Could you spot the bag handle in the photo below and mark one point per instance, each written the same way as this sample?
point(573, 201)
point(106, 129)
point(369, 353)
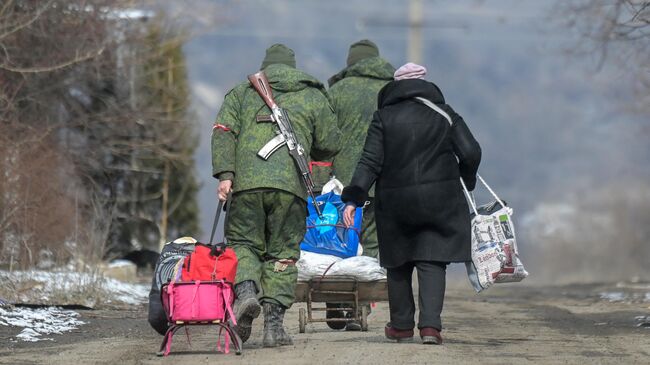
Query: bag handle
point(468, 194)
point(217, 215)
point(214, 227)
point(491, 191)
point(433, 106)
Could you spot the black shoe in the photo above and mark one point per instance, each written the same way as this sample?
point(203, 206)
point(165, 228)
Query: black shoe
point(352, 325)
point(274, 333)
point(246, 308)
point(335, 325)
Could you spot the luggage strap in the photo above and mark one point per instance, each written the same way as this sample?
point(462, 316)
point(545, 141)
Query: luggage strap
point(468, 194)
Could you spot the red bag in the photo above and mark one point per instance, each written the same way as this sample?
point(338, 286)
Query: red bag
point(210, 263)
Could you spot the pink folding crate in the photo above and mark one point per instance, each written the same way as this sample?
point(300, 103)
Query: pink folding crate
point(192, 303)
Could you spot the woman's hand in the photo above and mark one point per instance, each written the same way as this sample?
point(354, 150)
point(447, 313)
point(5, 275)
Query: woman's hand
point(348, 215)
point(225, 187)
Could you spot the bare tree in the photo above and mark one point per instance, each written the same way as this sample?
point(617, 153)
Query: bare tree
point(614, 31)
point(94, 130)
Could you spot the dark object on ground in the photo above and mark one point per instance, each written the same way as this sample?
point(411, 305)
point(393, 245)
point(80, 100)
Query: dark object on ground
point(396, 334)
point(430, 336)
point(335, 325)
point(642, 321)
point(143, 259)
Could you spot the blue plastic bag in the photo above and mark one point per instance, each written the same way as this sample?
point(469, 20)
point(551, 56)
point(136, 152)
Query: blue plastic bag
point(329, 235)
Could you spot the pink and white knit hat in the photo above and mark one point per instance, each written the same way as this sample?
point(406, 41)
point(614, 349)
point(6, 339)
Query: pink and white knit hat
point(410, 71)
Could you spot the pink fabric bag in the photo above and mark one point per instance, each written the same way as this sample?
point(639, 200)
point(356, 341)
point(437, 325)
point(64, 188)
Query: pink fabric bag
point(199, 302)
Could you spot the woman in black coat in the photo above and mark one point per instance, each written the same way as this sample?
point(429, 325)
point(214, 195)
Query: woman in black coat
point(422, 215)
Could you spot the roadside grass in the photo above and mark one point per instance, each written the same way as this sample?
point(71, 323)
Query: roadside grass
point(65, 287)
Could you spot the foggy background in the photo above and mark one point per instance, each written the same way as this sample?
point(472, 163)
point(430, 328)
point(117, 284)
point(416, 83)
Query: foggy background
point(564, 140)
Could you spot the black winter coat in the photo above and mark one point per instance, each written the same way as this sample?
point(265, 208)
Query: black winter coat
point(410, 152)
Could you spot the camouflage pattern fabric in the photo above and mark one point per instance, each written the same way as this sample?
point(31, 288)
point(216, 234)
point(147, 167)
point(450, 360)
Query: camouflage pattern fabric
point(237, 135)
point(353, 93)
point(321, 173)
point(265, 226)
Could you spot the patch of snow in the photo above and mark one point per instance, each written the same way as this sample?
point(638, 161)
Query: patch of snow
point(615, 296)
point(46, 284)
point(138, 14)
point(632, 297)
point(126, 292)
point(120, 263)
point(39, 322)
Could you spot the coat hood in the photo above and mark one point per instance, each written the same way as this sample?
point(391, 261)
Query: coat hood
point(373, 67)
point(288, 79)
point(397, 91)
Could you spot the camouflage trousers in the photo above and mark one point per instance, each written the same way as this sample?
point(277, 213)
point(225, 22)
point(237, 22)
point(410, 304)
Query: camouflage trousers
point(369, 240)
point(265, 226)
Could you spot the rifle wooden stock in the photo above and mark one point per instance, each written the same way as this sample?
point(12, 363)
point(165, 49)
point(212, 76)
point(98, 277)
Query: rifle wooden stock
point(261, 85)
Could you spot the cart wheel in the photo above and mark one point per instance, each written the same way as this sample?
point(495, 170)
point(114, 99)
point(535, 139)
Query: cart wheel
point(364, 318)
point(302, 319)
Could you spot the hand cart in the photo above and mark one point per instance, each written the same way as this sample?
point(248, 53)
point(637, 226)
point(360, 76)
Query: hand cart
point(352, 293)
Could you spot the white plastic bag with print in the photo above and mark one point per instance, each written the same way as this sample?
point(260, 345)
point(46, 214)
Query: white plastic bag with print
point(495, 257)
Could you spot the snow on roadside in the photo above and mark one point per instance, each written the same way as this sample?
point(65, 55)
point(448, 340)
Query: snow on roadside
point(69, 287)
point(620, 296)
point(39, 322)
point(126, 292)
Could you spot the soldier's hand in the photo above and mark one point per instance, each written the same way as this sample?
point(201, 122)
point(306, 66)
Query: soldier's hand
point(225, 187)
point(348, 215)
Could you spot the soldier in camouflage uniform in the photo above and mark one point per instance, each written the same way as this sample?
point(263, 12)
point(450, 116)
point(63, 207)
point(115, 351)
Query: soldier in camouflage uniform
point(353, 94)
point(266, 222)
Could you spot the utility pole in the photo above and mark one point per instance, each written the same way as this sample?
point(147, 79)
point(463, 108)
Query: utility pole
point(166, 174)
point(415, 26)
point(414, 51)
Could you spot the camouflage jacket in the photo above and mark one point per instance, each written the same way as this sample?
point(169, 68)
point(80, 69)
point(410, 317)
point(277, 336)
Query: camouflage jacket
point(353, 93)
point(237, 136)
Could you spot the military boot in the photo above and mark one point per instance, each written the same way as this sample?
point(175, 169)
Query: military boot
point(274, 333)
point(246, 308)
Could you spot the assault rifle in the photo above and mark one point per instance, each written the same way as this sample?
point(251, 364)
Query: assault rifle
point(286, 135)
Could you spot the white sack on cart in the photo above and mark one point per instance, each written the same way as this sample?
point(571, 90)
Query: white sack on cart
point(313, 264)
point(363, 268)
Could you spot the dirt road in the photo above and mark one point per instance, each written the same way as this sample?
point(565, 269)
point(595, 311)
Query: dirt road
point(517, 324)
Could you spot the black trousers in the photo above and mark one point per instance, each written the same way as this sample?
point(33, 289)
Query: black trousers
point(431, 282)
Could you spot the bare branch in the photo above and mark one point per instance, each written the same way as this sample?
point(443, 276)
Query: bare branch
point(77, 59)
point(5, 7)
point(29, 22)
